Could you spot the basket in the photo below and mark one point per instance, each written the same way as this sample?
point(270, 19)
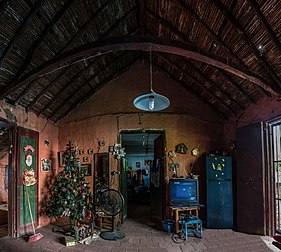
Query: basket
point(168, 225)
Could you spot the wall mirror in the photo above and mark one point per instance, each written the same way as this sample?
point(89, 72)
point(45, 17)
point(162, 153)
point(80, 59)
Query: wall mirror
point(101, 174)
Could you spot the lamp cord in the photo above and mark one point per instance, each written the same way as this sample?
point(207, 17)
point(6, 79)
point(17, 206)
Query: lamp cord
point(150, 69)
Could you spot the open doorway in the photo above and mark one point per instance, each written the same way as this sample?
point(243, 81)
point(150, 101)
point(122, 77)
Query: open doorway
point(5, 163)
point(143, 187)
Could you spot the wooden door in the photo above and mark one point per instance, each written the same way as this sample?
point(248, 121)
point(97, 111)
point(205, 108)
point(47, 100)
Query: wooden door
point(27, 159)
point(250, 180)
point(156, 180)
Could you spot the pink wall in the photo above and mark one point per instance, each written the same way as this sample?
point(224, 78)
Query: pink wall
point(3, 182)
point(46, 131)
point(266, 109)
point(111, 110)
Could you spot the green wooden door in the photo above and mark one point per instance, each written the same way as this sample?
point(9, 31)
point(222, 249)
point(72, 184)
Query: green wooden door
point(27, 162)
point(124, 169)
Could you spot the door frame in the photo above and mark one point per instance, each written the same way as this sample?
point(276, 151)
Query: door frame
point(12, 196)
point(163, 174)
point(270, 177)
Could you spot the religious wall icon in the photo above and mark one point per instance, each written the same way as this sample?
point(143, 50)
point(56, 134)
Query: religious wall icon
point(181, 148)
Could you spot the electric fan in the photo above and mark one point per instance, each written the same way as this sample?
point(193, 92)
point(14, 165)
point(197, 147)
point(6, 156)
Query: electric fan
point(111, 203)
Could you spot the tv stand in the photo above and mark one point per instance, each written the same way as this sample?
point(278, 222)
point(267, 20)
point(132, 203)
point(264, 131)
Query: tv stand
point(194, 210)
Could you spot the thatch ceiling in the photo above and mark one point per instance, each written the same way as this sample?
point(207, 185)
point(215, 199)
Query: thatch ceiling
point(54, 54)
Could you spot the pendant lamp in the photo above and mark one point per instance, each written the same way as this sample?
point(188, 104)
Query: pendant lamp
point(151, 101)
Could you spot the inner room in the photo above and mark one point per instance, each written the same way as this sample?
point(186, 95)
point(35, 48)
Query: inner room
point(140, 125)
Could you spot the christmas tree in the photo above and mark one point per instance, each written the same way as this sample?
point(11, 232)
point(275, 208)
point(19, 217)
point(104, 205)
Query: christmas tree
point(70, 194)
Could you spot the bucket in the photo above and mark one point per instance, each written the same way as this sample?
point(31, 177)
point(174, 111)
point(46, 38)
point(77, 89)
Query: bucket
point(168, 225)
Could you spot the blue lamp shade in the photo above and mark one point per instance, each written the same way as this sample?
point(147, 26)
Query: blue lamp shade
point(151, 102)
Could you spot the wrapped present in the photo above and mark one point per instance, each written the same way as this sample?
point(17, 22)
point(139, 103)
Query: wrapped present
point(69, 241)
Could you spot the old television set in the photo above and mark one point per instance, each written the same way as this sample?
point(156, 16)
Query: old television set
point(184, 192)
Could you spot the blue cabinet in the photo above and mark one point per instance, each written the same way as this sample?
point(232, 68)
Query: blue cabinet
point(219, 192)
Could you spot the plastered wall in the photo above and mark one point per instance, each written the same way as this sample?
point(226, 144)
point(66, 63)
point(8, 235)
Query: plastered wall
point(47, 131)
point(111, 110)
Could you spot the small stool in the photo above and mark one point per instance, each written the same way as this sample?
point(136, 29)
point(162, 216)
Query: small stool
point(193, 225)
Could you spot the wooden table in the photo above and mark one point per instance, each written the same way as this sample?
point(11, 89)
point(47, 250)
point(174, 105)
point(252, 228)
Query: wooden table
point(194, 210)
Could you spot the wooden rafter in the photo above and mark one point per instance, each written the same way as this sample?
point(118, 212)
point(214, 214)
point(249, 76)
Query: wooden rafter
point(85, 26)
point(209, 31)
point(190, 88)
point(183, 37)
point(266, 25)
point(243, 34)
point(67, 84)
point(203, 75)
point(47, 88)
point(141, 23)
point(124, 17)
point(38, 41)
point(20, 30)
point(234, 83)
point(24, 92)
point(94, 89)
point(199, 83)
point(140, 43)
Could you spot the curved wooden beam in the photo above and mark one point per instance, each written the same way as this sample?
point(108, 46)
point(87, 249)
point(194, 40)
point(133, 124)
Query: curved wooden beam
point(138, 43)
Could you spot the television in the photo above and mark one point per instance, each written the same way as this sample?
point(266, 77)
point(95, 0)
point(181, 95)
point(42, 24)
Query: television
point(184, 192)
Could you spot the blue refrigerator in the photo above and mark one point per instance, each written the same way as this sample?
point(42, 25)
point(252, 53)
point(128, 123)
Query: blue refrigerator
point(219, 192)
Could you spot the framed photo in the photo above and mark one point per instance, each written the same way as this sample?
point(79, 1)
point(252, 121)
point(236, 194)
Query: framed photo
point(111, 149)
point(87, 169)
point(147, 162)
point(45, 165)
point(90, 151)
point(81, 151)
point(85, 159)
point(138, 164)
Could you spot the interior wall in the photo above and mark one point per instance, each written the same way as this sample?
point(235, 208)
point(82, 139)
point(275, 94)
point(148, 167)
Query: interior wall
point(47, 131)
point(3, 180)
point(111, 110)
point(265, 109)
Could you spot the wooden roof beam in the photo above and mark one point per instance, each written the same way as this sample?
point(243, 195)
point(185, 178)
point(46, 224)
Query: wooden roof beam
point(172, 63)
point(184, 37)
point(141, 17)
point(140, 43)
point(86, 25)
point(212, 34)
point(62, 89)
point(94, 90)
point(243, 34)
point(37, 42)
point(202, 74)
point(20, 30)
point(124, 17)
point(266, 25)
point(234, 83)
point(190, 88)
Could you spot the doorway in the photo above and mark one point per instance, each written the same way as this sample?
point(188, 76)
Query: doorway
point(276, 167)
point(6, 138)
point(144, 172)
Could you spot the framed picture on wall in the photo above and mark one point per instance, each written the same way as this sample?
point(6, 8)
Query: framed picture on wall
point(138, 164)
point(85, 159)
point(60, 157)
point(81, 151)
point(45, 165)
point(86, 169)
point(90, 151)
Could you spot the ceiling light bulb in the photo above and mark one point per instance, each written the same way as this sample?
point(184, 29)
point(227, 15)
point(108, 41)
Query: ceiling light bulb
point(151, 102)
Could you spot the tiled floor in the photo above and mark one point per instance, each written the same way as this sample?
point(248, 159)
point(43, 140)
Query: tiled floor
point(141, 237)
point(142, 234)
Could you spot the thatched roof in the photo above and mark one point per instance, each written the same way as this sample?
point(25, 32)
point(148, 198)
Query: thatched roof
point(56, 54)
